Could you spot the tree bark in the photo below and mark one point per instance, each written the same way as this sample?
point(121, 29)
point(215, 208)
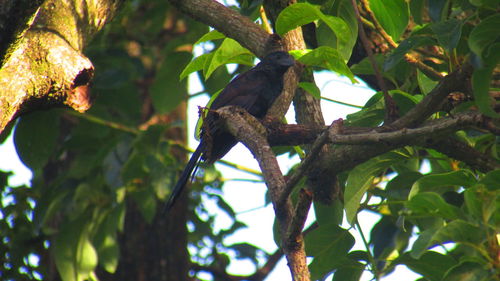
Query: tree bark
point(45, 67)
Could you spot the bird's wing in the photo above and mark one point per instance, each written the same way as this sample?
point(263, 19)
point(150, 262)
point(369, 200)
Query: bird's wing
point(243, 91)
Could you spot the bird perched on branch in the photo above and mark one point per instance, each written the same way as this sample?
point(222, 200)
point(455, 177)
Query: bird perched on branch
point(255, 91)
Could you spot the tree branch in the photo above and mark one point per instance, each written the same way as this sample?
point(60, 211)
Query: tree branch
point(310, 158)
point(363, 143)
point(458, 80)
point(230, 23)
point(238, 125)
point(46, 66)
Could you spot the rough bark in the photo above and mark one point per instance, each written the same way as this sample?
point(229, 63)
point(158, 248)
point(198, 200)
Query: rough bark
point(45, 67)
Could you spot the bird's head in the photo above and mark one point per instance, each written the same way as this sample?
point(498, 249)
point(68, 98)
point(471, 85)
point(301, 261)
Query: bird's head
point(279, 59)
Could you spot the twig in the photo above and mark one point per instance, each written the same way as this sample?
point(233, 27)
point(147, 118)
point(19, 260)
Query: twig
point(342, 103)
point(463, 152)
point(294, 233)
point(371, 259)
point(429, 71)
point(265, 21)
point(455, 81)
point(409, 58)
point(378, 26)
point(390, 105)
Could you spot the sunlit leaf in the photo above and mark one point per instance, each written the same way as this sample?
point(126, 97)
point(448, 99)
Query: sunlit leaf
point(393, 16)
point(311, 88)
point(196, 64)
point(329, 58)
point(300, 14)
point(210, 36)
point(229, 51)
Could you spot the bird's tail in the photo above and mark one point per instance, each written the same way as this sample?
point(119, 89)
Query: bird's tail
point(181, 183)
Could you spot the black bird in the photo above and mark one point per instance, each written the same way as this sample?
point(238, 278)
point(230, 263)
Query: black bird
point(255, 91)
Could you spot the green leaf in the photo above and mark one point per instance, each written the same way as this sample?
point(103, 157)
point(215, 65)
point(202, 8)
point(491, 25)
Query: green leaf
point(432, 265)
point(146, 200)
point(473, 203)
point(481, 79)
point(35, 137)
point(166, 90)
point(329, 214)
point(229, 51)
point(361, 178)
point(311, 88)
point(345, 11)
point(416, 10)
point(436, 9)
point(404, 101)
point(468, 271)
point(196, 64)
point(296, 15)
point(448, 33)
point(461, 232)
point(431, 203)
point(424, 241)
point(75, 256)
point(433, 181)
point(328, 244)
point(300, 14)
point(329, 58)
point(425, 83)
point(484, 34)
point(491, 180)
point(349, 272)
point(210, 36)
point(406, 45)
point(393, 16)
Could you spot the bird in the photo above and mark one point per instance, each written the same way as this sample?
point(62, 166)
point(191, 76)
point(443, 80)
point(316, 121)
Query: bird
point(255, 91)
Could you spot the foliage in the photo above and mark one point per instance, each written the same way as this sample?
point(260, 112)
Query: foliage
point(89, 167)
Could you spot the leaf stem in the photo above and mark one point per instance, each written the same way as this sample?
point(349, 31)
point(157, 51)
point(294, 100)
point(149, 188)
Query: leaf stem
point(371, 259)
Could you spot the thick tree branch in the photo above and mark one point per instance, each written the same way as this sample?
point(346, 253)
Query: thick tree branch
point(310, 158)
point(46, 67)
point(365, 142)
point(458, 150)
point(229, 22)
point(236, 123)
